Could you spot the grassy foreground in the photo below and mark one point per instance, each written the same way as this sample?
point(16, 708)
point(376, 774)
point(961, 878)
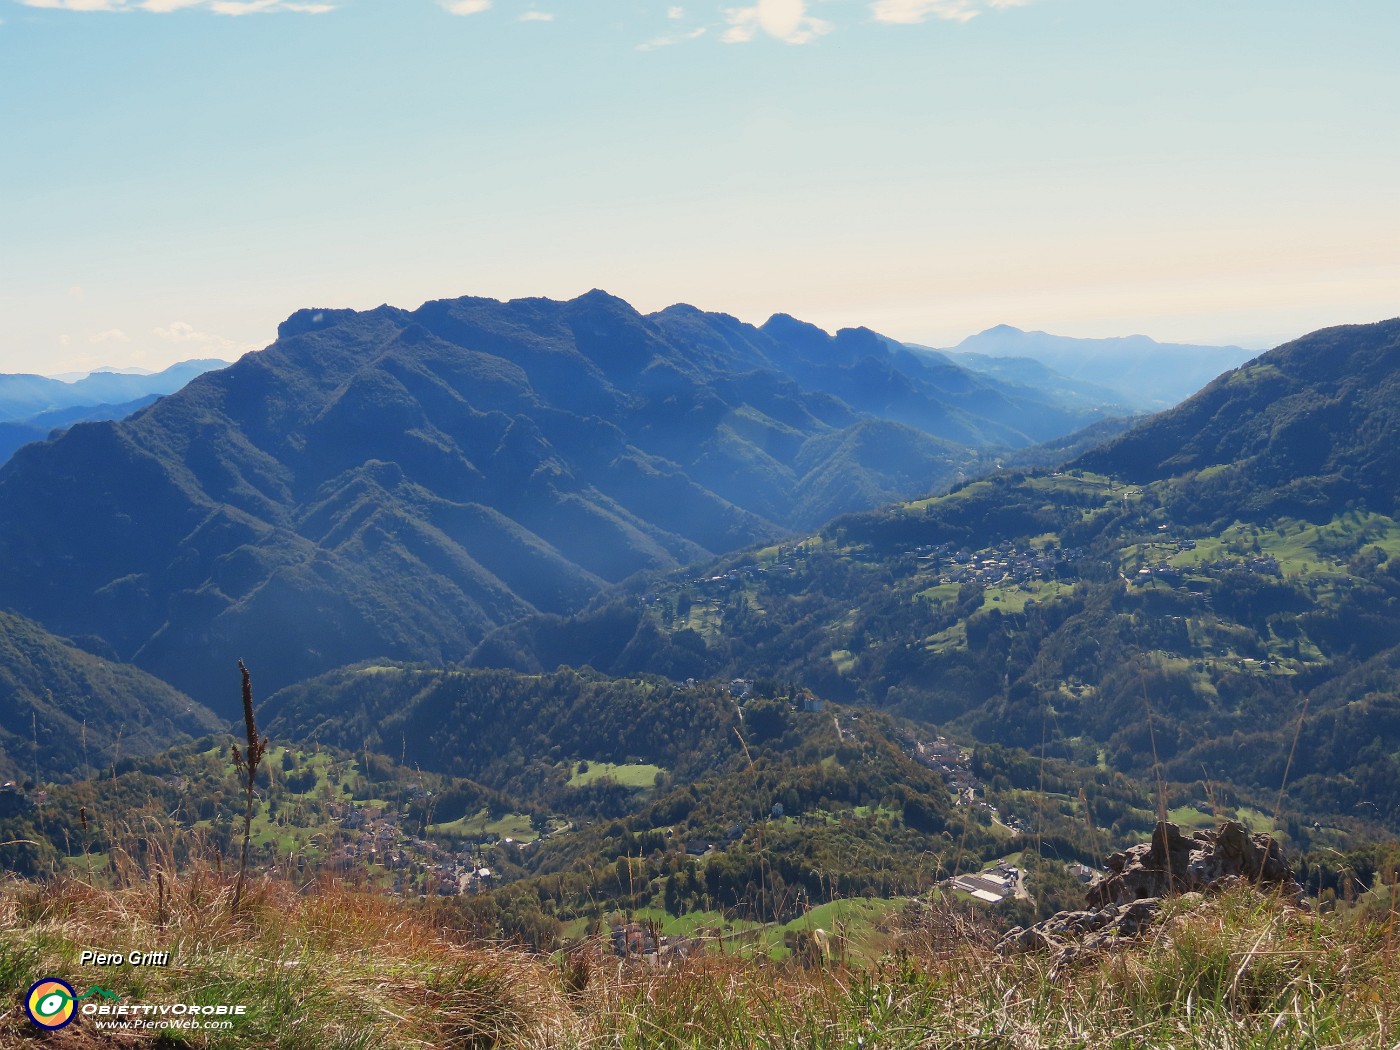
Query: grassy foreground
point(335, 968)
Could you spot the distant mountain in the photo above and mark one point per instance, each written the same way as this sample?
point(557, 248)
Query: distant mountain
point(65, 712)
point(15, 435)
point(1029, 374)
point(1138, 371)
point(397, 484)
point(130, 370)
point(1183, 593)
point(22, 397)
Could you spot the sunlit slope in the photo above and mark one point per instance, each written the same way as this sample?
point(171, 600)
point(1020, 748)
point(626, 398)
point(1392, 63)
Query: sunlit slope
point(1189, 585)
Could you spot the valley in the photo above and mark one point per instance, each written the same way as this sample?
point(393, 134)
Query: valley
point(963, 700)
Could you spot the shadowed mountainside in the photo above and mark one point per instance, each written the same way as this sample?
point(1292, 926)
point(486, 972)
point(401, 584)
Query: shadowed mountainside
point(395, 483)
point(66, 712)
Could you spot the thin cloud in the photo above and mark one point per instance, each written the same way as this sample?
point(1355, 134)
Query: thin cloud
point(785, 20)
point(191, 340)
point(78, 5)
point(256, 7)
point(465, 7)
point(911, 12)
point(536, 16)
point(161, 7)
point(667, 41)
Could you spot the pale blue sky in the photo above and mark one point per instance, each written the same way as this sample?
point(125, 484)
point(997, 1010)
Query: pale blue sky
point(175, 182)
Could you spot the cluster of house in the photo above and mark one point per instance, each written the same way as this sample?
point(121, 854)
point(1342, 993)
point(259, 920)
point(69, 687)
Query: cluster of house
point(1161, 569)
point(949, 760)
point(783, 564)
point(955, 766)
point(379, 840)
point(637, 940)
point(1004, 563)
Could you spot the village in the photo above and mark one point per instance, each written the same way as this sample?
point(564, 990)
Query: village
point(420, 866)
point(956, 767)
point(1002, 564)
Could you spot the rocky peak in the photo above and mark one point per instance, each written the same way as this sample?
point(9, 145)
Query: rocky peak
point(1127, 901)
point(1172, 863)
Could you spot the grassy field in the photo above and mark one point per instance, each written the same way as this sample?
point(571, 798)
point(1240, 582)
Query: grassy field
point(481, 824)
point(952, 639)
point(334, 969)
point(637, 775)
point(1299, 547)
point(1190, 819)
point(1012, 597)
point(856, 922)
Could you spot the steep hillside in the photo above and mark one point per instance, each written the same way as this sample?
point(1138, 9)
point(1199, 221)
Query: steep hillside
point(397, 483)
point(65, 712)
point(1229, 578)
point(1304, 430)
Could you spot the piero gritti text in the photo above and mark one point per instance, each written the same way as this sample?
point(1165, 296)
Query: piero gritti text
point(94, 958)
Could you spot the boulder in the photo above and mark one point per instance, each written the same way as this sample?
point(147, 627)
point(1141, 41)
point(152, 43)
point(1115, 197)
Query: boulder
point(1172, 864)
point(1126, 902)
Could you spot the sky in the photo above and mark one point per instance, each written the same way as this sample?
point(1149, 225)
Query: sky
point(177, 176)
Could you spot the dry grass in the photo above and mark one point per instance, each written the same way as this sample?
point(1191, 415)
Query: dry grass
point(323, 966)
point(318, 966)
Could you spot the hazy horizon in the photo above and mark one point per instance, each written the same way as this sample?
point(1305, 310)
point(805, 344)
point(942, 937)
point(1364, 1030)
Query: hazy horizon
point(192, 171)
point(121, 366)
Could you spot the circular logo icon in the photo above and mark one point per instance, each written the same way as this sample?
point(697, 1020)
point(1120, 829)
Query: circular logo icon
point(51, 1003)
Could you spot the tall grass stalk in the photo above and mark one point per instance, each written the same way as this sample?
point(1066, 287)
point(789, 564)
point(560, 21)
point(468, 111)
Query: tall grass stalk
point(247, 766)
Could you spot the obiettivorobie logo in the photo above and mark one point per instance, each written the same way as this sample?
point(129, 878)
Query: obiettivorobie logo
point(52, 1003)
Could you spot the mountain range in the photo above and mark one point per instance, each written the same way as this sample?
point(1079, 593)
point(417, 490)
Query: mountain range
point(1192, 592)
point(577, 569)
point(27, 396)
point(32, 407)
point(399, 483)
point(1134, 371)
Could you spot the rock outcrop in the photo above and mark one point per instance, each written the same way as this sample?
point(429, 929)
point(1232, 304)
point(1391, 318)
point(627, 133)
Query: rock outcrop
point(1172, 864)
point(1127, 901)
point(1070, 932)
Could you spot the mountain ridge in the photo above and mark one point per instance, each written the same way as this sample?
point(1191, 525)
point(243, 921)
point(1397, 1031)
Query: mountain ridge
point(1140, 371)
point(24, 396)
point(1175, 595)
point(398, 483)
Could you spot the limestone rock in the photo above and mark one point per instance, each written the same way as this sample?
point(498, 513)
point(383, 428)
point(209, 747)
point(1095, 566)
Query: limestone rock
point(1172, 864)
point(1127, 901)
